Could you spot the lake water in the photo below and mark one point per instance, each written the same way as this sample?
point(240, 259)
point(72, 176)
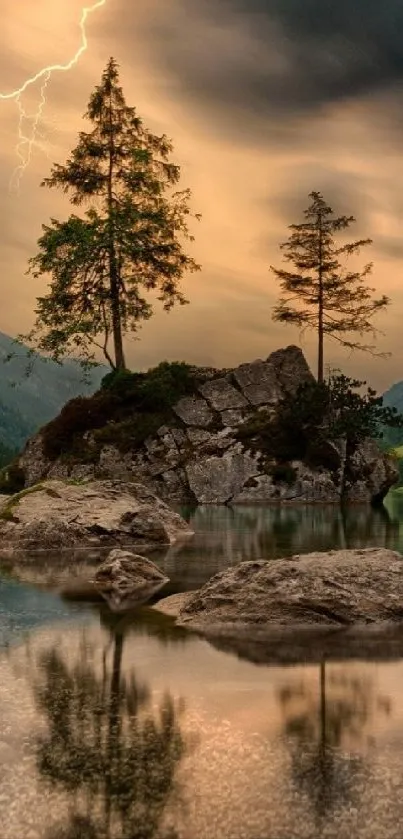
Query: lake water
point(129, 728)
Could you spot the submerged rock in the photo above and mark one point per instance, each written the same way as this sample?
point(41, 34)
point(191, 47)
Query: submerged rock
point(59, 515)
point(334, 589)
point(173, 603)
point(126, 580)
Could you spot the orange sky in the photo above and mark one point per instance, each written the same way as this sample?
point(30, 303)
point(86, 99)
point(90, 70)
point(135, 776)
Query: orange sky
point(253, 136)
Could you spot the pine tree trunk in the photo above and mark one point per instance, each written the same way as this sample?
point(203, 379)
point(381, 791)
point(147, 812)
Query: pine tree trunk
point(320, 306)
point(320, 350)
point(120, 363)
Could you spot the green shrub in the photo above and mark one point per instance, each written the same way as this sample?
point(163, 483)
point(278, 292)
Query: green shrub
point(12, 479)
point(321, 452)
point(309, 421)
point(283, 473)
point(123, 384)
point(281, 437)
point(165, 385)
point(78, 416)
point(156, 390)
point(130, 433)
point(125, 411)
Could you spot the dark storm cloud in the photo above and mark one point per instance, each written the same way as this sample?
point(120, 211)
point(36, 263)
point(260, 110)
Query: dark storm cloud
point(268, 57)
point(344, 191)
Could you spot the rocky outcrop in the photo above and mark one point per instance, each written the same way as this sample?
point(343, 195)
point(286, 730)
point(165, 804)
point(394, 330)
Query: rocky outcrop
point(57, 515)
point(370, 476)
point(334, 589)
point(127, 580)
point(197, 454)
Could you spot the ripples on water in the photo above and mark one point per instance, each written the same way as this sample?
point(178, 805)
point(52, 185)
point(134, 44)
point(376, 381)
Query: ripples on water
point(129, 728)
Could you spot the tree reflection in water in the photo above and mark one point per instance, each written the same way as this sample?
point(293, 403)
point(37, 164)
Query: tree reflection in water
point(317, 726)
point(108, 747)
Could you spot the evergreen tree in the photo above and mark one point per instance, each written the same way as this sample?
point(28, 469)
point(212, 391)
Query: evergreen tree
point(127, 244)
point(320, 293)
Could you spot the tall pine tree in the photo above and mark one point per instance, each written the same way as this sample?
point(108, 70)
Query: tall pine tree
point(127, 243)
point(321, 293)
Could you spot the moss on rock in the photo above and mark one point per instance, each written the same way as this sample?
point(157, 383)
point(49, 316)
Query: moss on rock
point(7, 513)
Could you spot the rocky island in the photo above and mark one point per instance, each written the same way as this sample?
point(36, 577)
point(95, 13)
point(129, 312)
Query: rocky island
point(203, 436)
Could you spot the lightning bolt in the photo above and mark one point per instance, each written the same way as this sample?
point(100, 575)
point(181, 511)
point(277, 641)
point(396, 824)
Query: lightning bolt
point(27, 138)
point(26, 143)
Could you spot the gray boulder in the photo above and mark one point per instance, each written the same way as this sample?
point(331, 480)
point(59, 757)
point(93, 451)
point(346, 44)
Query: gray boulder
point(193, 410)
point(127, 580)
point(336, 589)
point(292, 369)
point(258, 382)
point(222, 395)
point(60, 515)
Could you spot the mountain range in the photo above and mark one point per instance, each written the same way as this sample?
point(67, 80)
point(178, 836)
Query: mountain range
point(393, 398)
point(28, 401)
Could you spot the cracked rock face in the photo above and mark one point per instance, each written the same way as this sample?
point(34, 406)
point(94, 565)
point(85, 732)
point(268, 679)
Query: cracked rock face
point(216, 480)
point(194, 411)
point(196, 457)
point(259, 382)
point(223, 396)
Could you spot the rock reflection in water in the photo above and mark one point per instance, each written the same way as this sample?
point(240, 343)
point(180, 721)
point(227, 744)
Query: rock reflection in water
point(225, 536)
point(228, 535)
point(107, 746)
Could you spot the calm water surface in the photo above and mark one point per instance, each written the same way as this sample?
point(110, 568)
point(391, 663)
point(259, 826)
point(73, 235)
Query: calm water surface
point(129, 728)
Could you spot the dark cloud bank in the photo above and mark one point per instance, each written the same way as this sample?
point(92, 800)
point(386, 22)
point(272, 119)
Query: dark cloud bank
point(308, 53)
